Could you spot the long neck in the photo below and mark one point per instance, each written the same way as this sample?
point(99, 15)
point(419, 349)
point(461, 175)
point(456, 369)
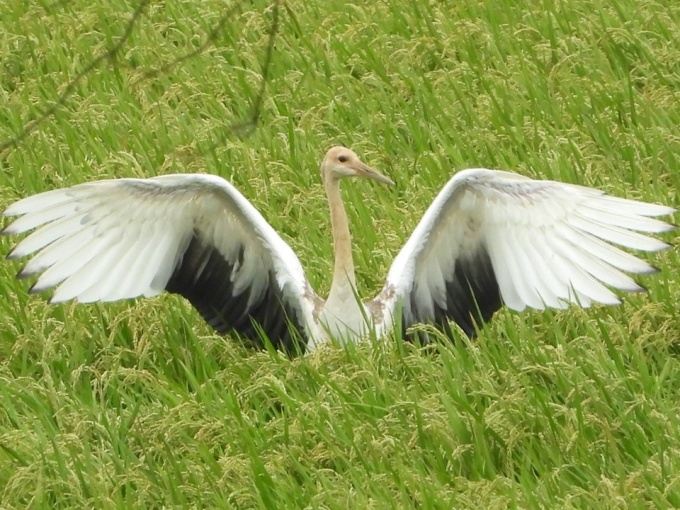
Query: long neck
point(344, 281)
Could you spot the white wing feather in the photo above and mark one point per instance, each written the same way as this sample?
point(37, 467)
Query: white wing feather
point(123, 238)
point(547, 243)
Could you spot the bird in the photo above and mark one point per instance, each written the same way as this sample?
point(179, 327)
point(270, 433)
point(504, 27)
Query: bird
point(489, 239)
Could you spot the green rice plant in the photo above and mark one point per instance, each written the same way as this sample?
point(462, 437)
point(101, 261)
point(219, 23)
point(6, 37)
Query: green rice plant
point(140, 405)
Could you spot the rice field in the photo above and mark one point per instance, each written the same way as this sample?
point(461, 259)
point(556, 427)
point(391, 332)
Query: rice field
point(140, 405)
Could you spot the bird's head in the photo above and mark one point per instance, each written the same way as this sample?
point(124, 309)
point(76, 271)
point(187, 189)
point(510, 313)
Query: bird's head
point(342, 162)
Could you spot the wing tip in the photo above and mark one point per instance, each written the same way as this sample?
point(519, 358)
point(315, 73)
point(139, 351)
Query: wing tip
point(12, 210)
point(22, 274)
point(8, 231)
point(663, 210)
point(35, 288)
point(669, 227)
point(641, 289)
point(38, 288)
point(17, 253)
point(650, 270)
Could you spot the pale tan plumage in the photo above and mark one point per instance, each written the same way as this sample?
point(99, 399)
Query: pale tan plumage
point(489, 238)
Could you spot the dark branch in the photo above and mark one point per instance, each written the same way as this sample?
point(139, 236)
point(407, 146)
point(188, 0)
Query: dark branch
point(246, 127)
point(209, 41)
point(70, 88)
point(242, 128)
point(266, 65)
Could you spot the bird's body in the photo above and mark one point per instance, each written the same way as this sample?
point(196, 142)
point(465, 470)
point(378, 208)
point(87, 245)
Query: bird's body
point(489, 238)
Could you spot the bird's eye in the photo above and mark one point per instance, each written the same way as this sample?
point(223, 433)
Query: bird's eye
point(342, 158)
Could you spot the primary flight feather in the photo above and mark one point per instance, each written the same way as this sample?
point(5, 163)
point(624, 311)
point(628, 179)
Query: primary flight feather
point(489, 238)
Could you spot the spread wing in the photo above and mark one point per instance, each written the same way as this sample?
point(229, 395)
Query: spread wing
point(193, 235)
point(493, 237)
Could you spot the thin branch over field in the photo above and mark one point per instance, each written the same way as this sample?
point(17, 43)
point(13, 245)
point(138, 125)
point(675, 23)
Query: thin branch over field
point(241, 128)
point(244, 128)
point(109, 55)
point(209, 41)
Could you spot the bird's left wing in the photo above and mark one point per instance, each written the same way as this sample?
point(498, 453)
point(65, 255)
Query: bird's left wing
point(194, 235)
point(493, 237)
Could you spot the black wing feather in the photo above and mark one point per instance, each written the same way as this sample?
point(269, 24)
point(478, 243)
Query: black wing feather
point(472, 297)
point(204, 277)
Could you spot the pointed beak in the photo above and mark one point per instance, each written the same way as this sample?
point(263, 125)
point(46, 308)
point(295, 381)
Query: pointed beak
point(366, 171)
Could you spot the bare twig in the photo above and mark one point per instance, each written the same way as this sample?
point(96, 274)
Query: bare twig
point(242, 128)
point(246, 127)
point(209, 41)
point(110, 54)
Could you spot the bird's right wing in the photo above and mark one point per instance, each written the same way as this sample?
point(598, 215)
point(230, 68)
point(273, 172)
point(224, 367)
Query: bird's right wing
point(493, 237)
point(194, 235)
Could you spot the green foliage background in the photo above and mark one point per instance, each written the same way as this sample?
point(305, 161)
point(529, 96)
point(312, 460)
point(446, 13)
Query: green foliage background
point(140, 405)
